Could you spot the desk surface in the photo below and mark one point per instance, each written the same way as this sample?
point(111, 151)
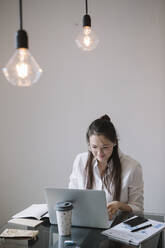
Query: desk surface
point(86, 237)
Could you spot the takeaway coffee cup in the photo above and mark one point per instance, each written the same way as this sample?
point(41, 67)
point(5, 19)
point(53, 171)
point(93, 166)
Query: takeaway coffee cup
point(64, 216)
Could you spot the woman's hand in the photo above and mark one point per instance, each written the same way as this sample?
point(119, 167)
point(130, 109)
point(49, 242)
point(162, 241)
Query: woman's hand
point(112, 208)
point(116, 205)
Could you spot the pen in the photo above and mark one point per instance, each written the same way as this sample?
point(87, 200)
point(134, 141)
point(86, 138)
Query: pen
point(43, 214)
point(141, 228)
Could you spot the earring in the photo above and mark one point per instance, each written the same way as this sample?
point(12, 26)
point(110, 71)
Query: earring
point(89, 148)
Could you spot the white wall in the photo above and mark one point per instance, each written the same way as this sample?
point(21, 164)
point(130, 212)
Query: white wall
point(43, 127)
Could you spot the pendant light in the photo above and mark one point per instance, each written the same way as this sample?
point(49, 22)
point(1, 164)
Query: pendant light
point(22, 69)
point(87, 40)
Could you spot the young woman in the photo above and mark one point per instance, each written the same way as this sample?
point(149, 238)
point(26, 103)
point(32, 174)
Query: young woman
point(105, 167)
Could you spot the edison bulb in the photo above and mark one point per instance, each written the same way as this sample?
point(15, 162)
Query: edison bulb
point(22, 69)
point(87, 39)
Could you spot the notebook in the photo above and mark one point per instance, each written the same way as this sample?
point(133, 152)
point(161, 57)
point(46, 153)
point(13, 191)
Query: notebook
point(89, 206)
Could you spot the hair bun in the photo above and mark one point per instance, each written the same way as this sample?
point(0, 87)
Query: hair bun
point(106, 118)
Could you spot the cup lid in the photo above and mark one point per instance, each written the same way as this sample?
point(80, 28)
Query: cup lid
point(64, 206)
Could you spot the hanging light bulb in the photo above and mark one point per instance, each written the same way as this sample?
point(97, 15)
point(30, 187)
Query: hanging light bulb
point(87, 39)
point(22, 69)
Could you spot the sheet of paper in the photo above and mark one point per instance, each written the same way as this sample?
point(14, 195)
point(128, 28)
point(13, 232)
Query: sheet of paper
point(35, 211)
point(26, 222)
point(123, 232)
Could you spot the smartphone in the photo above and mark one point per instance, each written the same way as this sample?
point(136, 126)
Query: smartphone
point(135, 221)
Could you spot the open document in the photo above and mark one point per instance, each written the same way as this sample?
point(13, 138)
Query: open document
point(37, 211)
point(31, 216)
point(136, 234)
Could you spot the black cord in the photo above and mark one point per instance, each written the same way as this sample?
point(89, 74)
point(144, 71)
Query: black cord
point(86, 5)
point(20, 14)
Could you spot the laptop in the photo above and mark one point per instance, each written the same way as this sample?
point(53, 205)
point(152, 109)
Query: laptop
point(89, 206)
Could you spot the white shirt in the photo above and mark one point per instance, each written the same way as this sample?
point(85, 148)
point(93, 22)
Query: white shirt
point(132, 180)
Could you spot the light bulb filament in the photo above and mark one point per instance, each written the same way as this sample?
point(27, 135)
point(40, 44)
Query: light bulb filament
point(87, 41)
point(22, 70)
point(87, 30)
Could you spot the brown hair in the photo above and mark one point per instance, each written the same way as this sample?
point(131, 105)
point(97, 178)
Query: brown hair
point(104, 126)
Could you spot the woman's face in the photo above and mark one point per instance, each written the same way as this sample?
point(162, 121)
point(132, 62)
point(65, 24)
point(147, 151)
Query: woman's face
point(101, 148)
